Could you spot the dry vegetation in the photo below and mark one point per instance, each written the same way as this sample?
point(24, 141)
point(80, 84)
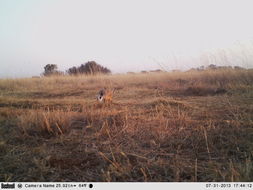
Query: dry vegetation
point(193, 126)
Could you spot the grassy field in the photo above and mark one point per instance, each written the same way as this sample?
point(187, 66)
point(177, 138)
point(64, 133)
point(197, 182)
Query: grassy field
point(189, 126)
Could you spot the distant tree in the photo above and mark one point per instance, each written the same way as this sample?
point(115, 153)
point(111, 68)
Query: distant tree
point(201, 68)
point(238, 68)
point(224, 67)
point(51, 69)
point(156, 71)
point(89, 68)
point(72, 71)
point(212, 67)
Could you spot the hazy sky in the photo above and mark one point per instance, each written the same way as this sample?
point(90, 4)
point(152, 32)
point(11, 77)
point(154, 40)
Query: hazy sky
point(129, 35)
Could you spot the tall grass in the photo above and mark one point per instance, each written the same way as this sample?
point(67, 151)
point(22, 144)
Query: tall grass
point(160, 127)
point(220, 78)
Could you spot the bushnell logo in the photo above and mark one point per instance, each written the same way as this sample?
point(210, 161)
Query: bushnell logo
point(7, 185)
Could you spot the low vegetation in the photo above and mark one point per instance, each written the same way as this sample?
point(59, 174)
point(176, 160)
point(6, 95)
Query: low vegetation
point(180, 126)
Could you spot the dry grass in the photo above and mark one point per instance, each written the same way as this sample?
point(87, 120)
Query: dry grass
point(193, 126)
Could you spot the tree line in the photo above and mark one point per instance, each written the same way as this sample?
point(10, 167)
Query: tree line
point(89, 68)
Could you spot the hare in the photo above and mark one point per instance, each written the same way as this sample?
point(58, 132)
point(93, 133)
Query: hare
point(105, 95)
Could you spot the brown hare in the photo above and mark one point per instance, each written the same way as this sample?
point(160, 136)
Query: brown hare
point(105, 95)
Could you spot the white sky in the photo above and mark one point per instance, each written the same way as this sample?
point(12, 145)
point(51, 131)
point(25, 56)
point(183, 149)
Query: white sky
point(129, 35)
